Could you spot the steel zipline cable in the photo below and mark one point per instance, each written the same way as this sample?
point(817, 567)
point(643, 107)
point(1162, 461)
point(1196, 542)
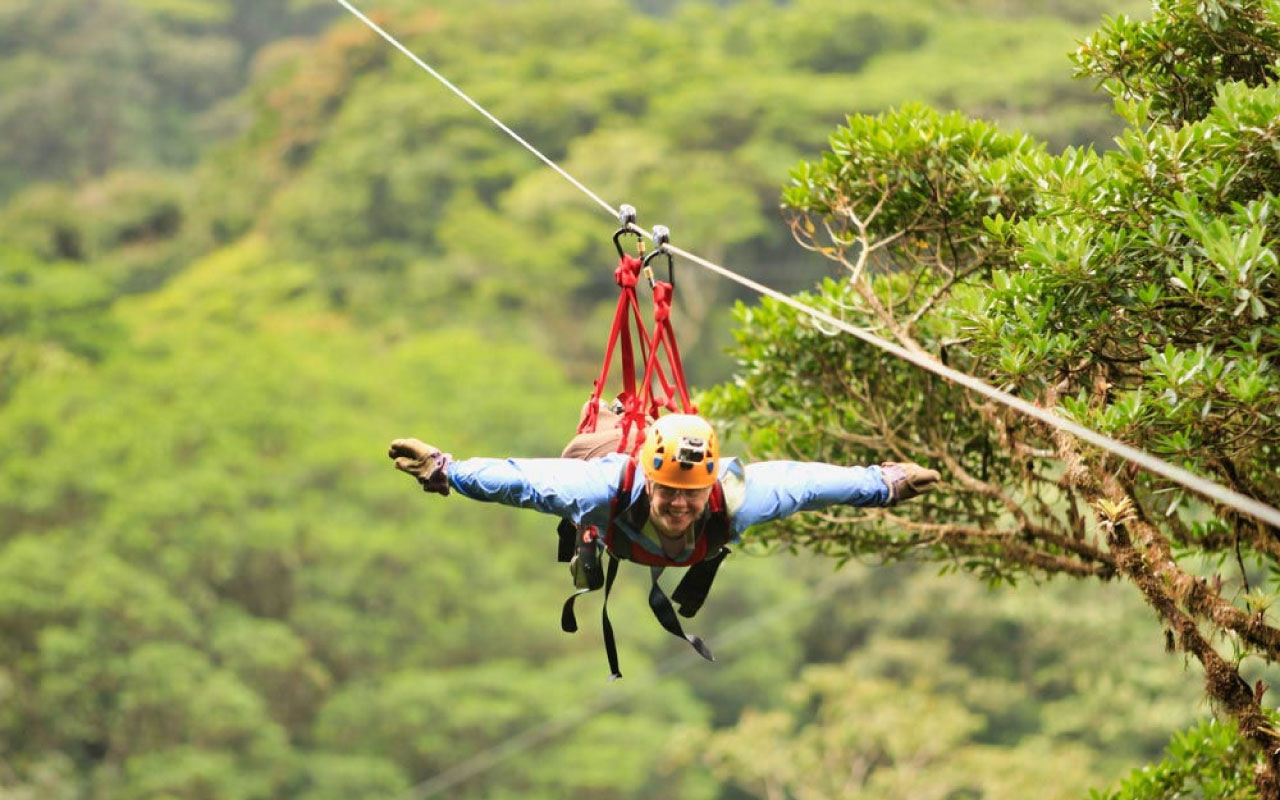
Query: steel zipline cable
point(1189, 480)
point(483, 111)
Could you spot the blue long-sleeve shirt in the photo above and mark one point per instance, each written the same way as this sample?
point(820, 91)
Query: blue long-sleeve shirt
point(582, 490)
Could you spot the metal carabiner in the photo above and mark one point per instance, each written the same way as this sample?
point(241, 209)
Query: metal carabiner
point(661, 236)
point(627, 218)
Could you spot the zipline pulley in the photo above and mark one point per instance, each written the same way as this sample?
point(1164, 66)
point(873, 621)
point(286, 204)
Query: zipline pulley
point(661, 236)
point(627, 220)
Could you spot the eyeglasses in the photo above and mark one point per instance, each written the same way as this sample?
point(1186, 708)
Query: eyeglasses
point(673, 493)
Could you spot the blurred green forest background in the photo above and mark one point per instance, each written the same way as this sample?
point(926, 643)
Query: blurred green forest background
point(244, 243)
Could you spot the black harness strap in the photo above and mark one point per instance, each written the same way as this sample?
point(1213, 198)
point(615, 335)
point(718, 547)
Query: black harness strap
point(583, 540)
point(568, 533)
point(666, 615)
point(692, 590)
point(568, 621)
point(610, 644)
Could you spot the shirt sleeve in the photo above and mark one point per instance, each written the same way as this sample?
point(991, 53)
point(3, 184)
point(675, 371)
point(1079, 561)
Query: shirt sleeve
point(777, 489)
point(566, 487)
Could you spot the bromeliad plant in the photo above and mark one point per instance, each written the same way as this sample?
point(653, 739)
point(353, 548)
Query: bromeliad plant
point(1133, 290)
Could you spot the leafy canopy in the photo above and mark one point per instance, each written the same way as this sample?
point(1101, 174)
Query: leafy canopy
point(1135, 290)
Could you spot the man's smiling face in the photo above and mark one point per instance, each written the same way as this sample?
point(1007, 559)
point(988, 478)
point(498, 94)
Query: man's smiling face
point(673, 511)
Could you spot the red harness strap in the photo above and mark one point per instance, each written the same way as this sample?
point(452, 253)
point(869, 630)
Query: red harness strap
point(625, 315)
point(664, 339)
point(639, 401)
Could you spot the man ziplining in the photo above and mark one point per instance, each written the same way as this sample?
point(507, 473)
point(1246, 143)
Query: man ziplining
point(678, 503)
point(665, 513)
point(651, 488)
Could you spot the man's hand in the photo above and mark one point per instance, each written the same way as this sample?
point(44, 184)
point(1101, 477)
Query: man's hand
point(907, 480)
point(423, 462)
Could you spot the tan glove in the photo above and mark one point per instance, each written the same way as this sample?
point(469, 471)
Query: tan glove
point(423, 462)
point(906, 480)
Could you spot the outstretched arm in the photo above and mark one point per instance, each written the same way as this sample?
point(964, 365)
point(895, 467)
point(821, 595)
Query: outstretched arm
point(566, 487)
point(775, 489)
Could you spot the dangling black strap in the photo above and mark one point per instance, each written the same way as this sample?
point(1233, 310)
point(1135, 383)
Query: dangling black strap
point(586, 570)
point(610, 644)
point(667, 616)
point(568, 533)
point(692, 590)
point(569, 622)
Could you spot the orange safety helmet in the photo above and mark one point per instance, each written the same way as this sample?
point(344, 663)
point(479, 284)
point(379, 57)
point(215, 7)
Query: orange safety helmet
point(681, 451)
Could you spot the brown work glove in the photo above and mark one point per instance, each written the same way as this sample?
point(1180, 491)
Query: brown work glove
point(423, 462)
point(907, 480)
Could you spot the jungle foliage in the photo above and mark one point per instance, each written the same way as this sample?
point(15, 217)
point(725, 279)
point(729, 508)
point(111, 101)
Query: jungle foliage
point(1134, 290)
point(281, 252)
point(89, 86)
